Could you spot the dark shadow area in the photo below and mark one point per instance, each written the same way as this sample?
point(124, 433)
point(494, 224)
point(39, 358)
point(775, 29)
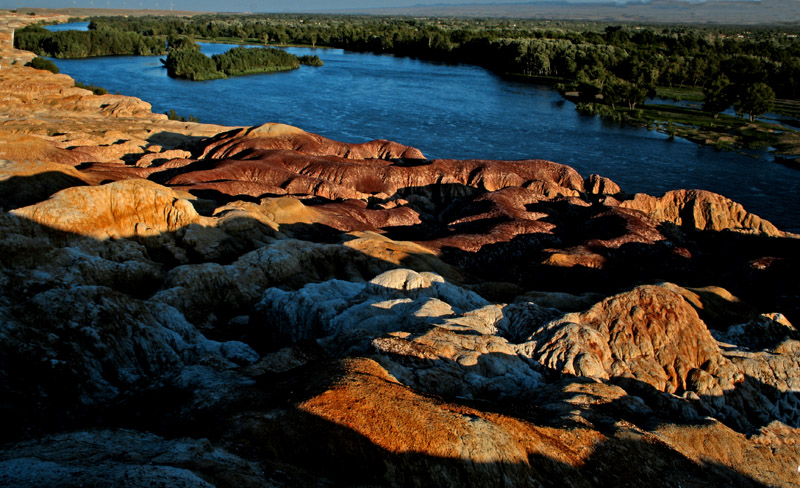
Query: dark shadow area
point(21, 191)
point(410, 163)
point(176, 140)
point(320, 233)
point(267, 420)
point(220, 198)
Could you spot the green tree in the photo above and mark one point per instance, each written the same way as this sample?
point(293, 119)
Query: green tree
point(717, 95)
point(754, 100)
point(635, 94)
point(175, 43)
point(614, 91)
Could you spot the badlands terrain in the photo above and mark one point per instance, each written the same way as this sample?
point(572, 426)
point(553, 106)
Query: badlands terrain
point(193, 305)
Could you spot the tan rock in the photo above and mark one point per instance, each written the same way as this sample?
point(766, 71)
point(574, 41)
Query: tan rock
point(122, 209)
point(600, 185)
point(701, 210)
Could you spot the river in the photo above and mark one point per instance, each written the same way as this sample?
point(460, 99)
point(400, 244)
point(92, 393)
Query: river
point(452, 111)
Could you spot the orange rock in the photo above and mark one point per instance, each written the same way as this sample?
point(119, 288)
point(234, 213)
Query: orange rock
point(122, 209)
point(702, 210)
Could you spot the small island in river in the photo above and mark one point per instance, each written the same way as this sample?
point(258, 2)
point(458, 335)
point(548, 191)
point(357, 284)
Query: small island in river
point(189, 63)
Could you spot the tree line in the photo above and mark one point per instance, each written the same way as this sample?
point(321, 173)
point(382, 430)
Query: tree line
point(83, 44)
point(618, 65)
point(184, 59)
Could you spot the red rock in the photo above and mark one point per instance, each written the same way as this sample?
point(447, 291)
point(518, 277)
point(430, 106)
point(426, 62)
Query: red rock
point(285, 137)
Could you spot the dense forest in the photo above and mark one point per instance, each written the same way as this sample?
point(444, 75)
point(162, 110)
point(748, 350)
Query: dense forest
point(622, 63)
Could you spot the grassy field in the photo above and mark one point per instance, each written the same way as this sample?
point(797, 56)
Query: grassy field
point(689, 94)
point(725, 132)
point(787, 107)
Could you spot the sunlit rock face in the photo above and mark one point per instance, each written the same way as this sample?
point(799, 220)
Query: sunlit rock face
point(207, 306)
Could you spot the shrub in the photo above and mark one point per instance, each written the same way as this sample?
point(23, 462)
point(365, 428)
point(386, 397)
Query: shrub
point(42, 63)
point(172, 115)
point(191, 65)
point(97, 90)
point(309, 60)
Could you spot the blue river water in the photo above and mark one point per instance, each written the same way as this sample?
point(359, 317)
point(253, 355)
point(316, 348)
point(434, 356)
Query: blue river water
point(452, 111)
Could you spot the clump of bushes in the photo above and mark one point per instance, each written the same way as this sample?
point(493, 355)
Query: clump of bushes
point(172, 115)
point(191, 65)
point(42, 63)
point(309, 60)
point(97, 90)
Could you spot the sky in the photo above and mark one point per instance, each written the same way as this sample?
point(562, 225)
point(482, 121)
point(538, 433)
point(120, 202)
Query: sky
point(259, 5)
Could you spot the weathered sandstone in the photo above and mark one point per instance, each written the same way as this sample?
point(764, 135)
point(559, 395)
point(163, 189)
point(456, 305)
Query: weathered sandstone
point(185, 304)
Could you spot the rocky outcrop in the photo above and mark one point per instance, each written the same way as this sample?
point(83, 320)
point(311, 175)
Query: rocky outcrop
point(123, 457)
point(192, 305)
point(649, 334)
point(699, 209)
point(285, 137)
point(121, 209)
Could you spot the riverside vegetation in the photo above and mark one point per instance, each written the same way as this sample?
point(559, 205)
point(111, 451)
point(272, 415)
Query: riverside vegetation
point(609, 70)
point(184, 59)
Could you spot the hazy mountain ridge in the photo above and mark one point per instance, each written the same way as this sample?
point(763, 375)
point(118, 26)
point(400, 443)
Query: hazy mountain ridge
point(734, 12)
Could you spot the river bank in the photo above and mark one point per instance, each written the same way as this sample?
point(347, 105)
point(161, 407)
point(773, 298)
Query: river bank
point(722, 133)
point(45, 113)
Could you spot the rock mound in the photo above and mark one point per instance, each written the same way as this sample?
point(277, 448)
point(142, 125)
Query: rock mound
point(121, 209)
point(649, 334)
point(700, 209)
point(285, 137)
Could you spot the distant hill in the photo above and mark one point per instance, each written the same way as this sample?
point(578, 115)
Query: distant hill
point(657, 11)
point(89, 12)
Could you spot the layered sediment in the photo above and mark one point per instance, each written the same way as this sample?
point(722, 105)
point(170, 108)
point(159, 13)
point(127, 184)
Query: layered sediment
point(195, 305)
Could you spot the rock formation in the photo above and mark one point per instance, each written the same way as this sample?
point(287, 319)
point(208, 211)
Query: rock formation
point(194, 305)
